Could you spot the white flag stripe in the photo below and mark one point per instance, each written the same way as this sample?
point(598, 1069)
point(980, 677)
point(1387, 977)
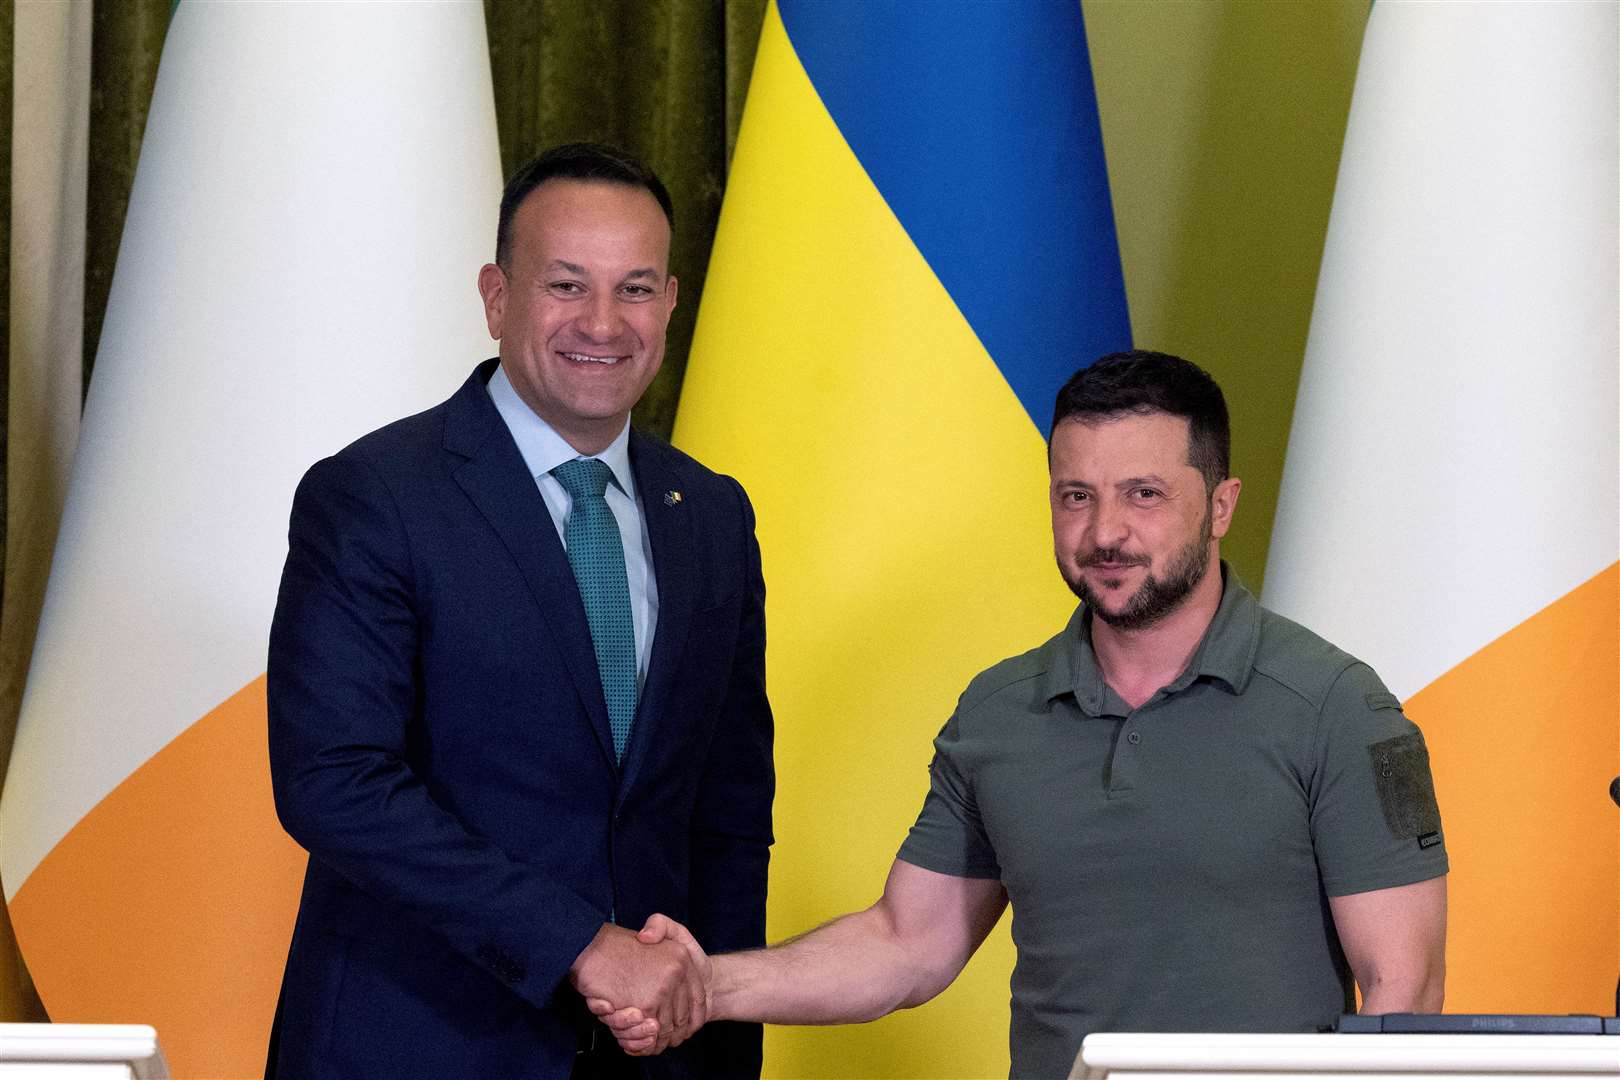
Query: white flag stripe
point(1455, 439)
point(316, 192)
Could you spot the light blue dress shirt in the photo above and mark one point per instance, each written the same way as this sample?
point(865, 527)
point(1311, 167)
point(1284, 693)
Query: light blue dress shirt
point(543, 450)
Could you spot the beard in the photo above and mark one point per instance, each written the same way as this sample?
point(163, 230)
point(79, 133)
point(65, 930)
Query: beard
point(1156, 597)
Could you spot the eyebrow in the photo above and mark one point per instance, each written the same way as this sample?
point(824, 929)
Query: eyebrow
point(1151, 480)
point(574, 268)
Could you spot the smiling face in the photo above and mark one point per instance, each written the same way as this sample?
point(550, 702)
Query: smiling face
point(1133, 525)
point(581, 311)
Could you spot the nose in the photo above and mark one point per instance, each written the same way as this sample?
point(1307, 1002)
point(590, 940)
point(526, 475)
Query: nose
point(599, 320)
point(1108, 525)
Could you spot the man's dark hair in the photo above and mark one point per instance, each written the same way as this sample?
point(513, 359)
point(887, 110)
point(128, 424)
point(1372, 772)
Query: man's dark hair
point(1148, 382)
point(575, 161)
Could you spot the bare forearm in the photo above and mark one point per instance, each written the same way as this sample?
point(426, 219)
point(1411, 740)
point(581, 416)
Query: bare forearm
point(1418, 991)
point(1395, 940)
point(851, 970)
point(897, 953)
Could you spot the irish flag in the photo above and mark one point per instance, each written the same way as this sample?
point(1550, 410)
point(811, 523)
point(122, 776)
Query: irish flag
point(1450, 510)
point(317, 189)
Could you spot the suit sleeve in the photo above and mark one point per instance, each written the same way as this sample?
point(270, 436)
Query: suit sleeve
point(731, 826)
point(343, 689)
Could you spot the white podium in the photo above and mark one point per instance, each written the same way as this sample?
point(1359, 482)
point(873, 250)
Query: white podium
point(80, 1052)
point(1121, 1056)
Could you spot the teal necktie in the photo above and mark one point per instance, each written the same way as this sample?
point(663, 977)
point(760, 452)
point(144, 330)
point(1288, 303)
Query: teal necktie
point(596, 553)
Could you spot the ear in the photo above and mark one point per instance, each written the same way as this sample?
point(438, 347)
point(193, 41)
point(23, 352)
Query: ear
point(492, 287)
point(1223, 500)
point(669, 294)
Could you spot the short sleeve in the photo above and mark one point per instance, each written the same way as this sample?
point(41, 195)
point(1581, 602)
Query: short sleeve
point(949, 837)
point(1375, 819)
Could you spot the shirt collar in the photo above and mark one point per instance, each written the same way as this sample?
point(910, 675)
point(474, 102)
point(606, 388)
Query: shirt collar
point(1228, 650)
point(1071, 666)
point(542, 448)
point(1226, 653)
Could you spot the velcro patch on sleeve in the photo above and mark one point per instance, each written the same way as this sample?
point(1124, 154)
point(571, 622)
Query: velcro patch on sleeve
point(1405, 786)
point(1382, 699)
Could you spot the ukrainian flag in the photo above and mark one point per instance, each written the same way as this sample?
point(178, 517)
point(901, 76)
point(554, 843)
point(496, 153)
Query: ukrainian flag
point(917, 248)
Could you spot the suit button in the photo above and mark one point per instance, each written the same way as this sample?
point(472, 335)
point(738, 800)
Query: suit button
point(503, 967)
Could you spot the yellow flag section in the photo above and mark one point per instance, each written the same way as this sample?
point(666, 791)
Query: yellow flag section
point(297, 268)
point(1450, 509)
point(900, 486)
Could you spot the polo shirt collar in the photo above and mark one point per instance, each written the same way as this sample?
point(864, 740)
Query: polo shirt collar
point(1228, 650)
point(1226, 653)
point(542, 448)
point(1071, 667)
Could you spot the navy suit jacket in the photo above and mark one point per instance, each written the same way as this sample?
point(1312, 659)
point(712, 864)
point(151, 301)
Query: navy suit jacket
point(439, 743)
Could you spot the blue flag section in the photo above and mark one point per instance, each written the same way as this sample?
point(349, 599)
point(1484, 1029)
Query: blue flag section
point(978, 124)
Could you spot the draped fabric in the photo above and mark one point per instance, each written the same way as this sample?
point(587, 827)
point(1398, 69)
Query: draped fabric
point(49, 117)
point(17, 998)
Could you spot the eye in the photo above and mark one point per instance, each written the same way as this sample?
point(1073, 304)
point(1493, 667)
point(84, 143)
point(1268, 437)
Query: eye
point(636, 292)
point(566, 288)
point(1074, 498)
point(1147, 494)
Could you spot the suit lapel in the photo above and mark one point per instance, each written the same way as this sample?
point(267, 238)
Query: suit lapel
point(499, 485)
point(669, 529)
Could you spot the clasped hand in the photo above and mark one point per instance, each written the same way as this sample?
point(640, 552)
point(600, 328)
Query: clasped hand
point(650, 988)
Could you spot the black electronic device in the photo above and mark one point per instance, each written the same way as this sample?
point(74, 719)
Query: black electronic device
point(1475, 1024)
point(1614, 793)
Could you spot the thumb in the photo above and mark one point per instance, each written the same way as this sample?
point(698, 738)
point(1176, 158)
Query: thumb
point(658, 928)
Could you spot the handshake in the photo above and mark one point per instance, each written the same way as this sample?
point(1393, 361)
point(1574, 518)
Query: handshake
point(656, 988)
point(653, 989)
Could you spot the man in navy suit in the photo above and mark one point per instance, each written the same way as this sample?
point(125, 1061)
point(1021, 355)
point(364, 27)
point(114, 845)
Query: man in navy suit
point(485, 797)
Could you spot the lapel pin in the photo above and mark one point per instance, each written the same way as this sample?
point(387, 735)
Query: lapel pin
point(672, 498)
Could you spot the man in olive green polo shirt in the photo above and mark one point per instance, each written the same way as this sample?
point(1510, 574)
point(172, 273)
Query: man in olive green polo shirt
point(1204, 816)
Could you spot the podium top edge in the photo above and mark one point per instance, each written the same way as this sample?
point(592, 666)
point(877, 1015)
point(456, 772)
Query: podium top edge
point(79, 1042)
point(1597, 1055)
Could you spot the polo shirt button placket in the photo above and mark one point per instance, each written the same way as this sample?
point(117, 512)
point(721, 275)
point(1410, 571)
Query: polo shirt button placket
point(1122, 765)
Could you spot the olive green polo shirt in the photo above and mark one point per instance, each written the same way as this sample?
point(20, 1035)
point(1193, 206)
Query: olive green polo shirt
point(1169, 866)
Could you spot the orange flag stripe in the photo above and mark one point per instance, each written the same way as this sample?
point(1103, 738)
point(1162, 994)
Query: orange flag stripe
point(172, 902)
point(1525, 737)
